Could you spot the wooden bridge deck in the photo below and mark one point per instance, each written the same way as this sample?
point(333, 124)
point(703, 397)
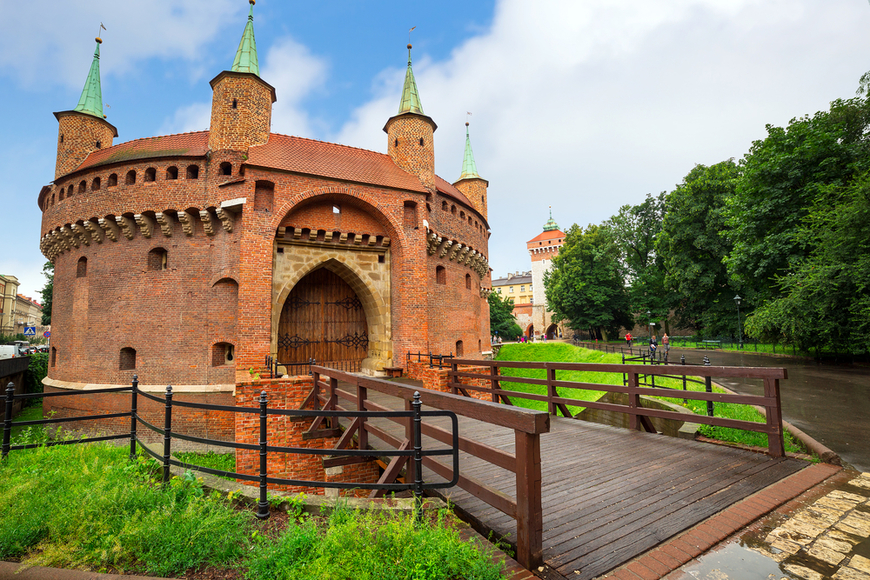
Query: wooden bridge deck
point(609, 494)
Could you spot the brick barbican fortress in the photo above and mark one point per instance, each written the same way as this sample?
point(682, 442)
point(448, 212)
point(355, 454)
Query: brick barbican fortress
point(187, 259)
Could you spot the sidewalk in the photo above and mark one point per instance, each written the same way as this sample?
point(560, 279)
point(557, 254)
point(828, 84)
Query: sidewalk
point(813, 525)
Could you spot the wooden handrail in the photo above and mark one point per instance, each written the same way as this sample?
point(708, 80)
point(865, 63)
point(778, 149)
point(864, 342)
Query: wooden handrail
point(639, 417)
point(527, 425)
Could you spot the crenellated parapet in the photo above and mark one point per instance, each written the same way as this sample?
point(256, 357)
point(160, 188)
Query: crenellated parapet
point(116, 228)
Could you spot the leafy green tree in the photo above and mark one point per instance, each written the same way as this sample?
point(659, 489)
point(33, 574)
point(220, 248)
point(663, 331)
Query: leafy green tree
point(783, 176)
point(502, 321)
point(824, 302)
point(692, 245)
point(46, 292)
point(635, 229)
point(586, 286)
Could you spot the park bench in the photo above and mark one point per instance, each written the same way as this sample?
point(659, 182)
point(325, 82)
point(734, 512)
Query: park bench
point(393, 372)
point(711, 344)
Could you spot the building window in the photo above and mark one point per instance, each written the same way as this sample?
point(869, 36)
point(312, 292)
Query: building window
point(468, 281)
point(222, 353)
point(410, 214)
point(60, 195)
point(82, 268)
point(131, 177)
point(127, 360)
point(95, 184)
point(113, 180)
point(460, 350)
point(264, 195)
point(511, 290)
point(83, 187)
point(440, 275)
point(498, 290)
point(69, 192)
point(444, 206)
point(150, 174)
point(453, 209)
point(522, 288)
point(157, 259)
point(193, 172)
point(226, 168)
point(171, 173)
point(53, 356)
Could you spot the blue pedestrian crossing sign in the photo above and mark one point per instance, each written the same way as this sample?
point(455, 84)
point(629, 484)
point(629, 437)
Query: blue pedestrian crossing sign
point(29, 331)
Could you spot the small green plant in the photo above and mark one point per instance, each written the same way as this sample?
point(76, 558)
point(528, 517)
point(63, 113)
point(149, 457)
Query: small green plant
point(255, 375)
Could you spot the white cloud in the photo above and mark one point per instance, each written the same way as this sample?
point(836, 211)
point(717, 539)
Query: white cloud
point(590, 105)
point(44, 39)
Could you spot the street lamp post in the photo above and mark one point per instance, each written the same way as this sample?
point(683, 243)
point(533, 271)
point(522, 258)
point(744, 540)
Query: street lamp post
point(737, 299)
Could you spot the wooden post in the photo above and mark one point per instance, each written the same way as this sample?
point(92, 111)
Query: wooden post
point(493, 383)
point(633, 402)
point(530, 512)
point(316, 390)
point(363, 435)
point(775, 443)
point(551, 390)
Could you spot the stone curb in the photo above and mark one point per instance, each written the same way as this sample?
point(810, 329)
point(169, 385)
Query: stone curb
point(686, 546)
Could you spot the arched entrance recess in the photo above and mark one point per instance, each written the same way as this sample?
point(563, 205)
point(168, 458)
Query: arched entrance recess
point(530, 331)
point(552, 332)
point(323, 319)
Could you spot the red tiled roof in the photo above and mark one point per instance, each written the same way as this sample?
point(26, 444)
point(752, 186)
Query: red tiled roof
point(181, 145)
point(301, 155)
point(448, 189)
point(544, 236)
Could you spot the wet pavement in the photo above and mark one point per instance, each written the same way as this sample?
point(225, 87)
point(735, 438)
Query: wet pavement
point(829, 402)
point(825, 534)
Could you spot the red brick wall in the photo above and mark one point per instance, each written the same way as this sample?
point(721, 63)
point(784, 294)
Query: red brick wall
point(80, 133)
point(198, 423)
point(437, 379)
point(249, 122)
point(475, 191)
point(284, 432)
point(404, 133)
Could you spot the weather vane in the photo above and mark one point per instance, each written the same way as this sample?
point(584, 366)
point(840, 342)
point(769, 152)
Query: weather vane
point(98, 32)
point(409, 34)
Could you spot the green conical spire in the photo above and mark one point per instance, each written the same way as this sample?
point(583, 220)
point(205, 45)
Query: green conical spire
point(469, 168)
point(91, 101)
point(410, 97)
point(246, 55)
point(551, 223)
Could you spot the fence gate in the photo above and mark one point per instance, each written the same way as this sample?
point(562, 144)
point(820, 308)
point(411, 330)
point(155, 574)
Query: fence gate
point(322, 319)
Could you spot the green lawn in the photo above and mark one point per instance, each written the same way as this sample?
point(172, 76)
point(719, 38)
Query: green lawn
point(90, 507)
point(563, 352)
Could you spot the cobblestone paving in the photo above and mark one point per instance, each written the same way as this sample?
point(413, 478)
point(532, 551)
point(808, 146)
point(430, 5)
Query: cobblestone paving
point(827, 539)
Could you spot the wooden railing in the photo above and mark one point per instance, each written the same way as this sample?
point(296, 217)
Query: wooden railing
point(525, 463)
point(639, 417)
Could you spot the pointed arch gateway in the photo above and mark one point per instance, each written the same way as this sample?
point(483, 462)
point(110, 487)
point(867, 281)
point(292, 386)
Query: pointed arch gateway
point(323, 319)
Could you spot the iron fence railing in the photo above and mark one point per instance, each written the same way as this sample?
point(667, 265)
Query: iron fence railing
point(414, 416)
point(431, 358)
point(274, 367)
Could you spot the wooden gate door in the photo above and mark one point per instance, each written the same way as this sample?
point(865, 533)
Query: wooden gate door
point(323, 319)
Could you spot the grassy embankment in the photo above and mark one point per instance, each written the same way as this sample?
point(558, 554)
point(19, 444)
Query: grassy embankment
point(563, 352)
point(90, 507)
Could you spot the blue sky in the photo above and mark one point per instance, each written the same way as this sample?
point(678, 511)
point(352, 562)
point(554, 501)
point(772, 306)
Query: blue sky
point(583, 105)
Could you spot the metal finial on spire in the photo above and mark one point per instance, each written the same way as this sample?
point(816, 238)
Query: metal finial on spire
point(91, 101)
point(246, 56)
point(551, 223)
point(410, 102)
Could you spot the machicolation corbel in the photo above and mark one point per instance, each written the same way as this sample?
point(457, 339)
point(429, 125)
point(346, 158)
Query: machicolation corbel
point(95, 231)
point(145, 223)
point(455, 250)
point(110, 228)
point(226, 220)
point(445, 248)
point(187, 221)
point(165, 221)
point(207, 224)
point(69, 236)
point(82, 234)
point(128, 226)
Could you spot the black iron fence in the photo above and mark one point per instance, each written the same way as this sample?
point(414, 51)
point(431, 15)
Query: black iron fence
point(276, 369)
point(263, 478)
point(431, 358)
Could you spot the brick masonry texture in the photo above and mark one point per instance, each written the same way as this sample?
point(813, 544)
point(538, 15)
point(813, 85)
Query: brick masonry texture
point(224, 226)
point(283, 431)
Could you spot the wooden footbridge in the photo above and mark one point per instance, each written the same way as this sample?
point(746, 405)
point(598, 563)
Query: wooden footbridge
point(581, 497)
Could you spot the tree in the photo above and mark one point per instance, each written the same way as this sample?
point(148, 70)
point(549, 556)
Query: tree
point(47, 291)
point(635, 230)
point(585, 285)
point(783, 176)
point(825, 301)
point(502, 321)
point(693, 245)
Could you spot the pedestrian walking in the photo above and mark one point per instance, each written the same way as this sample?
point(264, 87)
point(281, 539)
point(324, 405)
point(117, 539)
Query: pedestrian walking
point(628, 339)
point(666, 342)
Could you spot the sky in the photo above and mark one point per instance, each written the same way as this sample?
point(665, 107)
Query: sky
point(579, 105)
